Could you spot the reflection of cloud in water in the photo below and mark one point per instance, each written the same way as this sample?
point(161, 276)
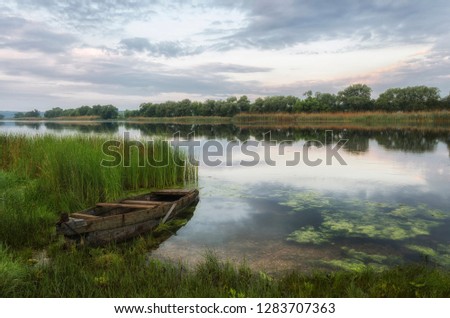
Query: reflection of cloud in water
point(376, 170)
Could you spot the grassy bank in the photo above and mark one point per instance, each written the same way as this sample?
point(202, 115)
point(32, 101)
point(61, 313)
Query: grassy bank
point(367, 118)
point(127, 272)
point(181, 120)
point(285, 119)
point(45, 175)
point(404, 119)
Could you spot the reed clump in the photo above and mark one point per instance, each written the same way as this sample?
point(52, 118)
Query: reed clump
point(41, 176)
point(368, 118)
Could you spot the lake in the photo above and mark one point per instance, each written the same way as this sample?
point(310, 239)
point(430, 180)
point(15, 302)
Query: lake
point(305, 198)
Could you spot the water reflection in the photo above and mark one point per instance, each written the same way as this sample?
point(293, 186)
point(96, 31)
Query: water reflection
point(412, 140)
point(407, 140)
point(107, 128)
point(29, 125)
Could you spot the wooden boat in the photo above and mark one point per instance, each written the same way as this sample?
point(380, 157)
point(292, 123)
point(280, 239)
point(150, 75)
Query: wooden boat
point(124, 219)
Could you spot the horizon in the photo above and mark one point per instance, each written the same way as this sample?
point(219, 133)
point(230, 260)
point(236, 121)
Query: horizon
point(127, 53)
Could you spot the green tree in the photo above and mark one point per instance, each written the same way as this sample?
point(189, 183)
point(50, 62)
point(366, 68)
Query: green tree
point(84, 111)
point(54, 112)
point(355, 97)
point(327, 102)
point(243, 104)
point(445, 103)
point(109, 112)
point(413, 98)
point(34, 114)
point(183, 108)
point(257, 106)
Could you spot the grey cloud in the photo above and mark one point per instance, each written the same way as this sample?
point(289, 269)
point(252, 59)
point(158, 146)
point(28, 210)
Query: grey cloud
point(129, 77)
point(21, 34)
point(94, 15)
point(164, 48)
point(231, 68)
point(274, 24)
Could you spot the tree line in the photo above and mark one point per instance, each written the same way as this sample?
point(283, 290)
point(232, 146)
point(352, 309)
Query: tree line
point(101, 111)
point(354, 98)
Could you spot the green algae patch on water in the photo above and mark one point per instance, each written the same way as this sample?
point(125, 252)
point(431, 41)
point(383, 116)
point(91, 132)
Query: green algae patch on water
point(364, 219)
point(354, 260)
point(439, 255)
point(421, 210)
point(307, 200)
point(423, 250)
point(309, 235)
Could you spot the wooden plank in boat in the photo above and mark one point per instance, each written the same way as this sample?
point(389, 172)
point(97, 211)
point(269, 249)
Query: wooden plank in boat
point(173, 192)
point(121, 205)
point(143, 202)
point(84, 216)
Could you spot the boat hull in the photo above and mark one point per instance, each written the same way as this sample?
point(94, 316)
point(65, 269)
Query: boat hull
point(125, 219)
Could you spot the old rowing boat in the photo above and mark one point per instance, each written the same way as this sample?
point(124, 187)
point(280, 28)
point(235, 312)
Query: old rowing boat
point(125, 219)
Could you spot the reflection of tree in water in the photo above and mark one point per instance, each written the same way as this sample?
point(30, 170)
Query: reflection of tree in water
point(357, 140)
point(84, 128)
point(229, 132)
point(54, 126)
point(28, 125)
point(410, 140)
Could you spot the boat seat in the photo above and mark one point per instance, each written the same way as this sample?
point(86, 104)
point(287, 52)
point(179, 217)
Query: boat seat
point(122, 205)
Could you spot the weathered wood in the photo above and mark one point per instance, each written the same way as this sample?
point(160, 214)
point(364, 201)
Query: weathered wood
point(122, 205)
point(173, 192)
point(84, 216)
point(119, 220)
point(121, 233)
point(144, 202)
point(168, 213)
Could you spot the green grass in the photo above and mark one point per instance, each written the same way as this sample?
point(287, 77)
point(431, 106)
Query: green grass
point(42, 176)
point(13, 274)
point(127, 272)
point(181, 120)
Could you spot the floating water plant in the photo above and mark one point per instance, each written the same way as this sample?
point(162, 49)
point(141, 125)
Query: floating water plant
point(357, 218)
point(354, 260)
point(307, 200)
point(439, 255)
point(310, 235)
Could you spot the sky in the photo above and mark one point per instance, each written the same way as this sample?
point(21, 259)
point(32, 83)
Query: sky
point(76, 52)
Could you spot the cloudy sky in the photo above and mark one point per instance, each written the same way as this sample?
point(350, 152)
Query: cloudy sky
point(76, 52)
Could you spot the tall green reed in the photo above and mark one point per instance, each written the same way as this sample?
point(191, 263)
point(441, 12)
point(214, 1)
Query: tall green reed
point(42, 176)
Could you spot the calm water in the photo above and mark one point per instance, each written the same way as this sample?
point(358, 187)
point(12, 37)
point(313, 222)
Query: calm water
point(389, 204)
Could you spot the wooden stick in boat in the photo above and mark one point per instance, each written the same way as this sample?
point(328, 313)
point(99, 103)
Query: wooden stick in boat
point(168, 213)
